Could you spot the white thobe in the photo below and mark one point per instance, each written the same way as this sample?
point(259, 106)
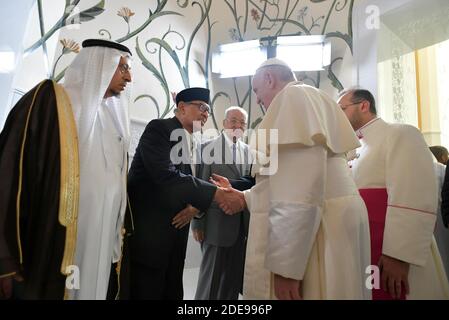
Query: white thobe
point(396, 159)
point(308, 221)
point(102, 206)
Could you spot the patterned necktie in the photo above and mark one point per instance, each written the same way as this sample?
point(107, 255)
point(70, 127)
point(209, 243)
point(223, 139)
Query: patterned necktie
point(234, 158)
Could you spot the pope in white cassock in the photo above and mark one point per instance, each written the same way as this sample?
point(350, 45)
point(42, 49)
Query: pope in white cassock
point(309, 234)
point(394, 171)
point(96, 83)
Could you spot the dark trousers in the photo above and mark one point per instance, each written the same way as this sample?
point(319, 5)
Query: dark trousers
point(149, 283)
point(221, 271)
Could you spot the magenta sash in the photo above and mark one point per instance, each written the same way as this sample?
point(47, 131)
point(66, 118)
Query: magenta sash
point(376, 201)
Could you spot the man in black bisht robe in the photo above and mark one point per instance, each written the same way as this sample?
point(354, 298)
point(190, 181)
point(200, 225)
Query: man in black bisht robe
point(31, 237)
point(40, 184)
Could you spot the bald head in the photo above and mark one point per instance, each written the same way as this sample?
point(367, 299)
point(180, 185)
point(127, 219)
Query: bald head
point(270, 79)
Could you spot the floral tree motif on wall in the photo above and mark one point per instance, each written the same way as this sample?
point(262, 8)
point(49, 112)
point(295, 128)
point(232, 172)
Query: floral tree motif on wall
point(268, 17)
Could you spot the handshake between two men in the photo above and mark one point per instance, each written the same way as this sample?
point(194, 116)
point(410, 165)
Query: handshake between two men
point(230, 200)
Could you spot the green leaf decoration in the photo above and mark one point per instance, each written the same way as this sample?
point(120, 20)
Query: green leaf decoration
point(345, 37)
point(332, 77)
point(203, 72)
point(164, 44)
point(156, 105)
point(86, 15)
point(256, 123)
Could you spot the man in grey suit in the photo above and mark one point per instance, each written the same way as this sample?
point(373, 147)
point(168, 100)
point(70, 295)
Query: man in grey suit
point(222, 236)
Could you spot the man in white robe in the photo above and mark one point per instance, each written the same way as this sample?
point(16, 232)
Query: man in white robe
point(394, 172)
point(96, 83)
point(308, 235)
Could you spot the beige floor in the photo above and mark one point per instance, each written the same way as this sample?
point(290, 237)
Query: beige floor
point(191, 269)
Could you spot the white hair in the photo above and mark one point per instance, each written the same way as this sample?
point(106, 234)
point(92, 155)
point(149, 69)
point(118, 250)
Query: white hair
point(233, 108)
point(284, 73)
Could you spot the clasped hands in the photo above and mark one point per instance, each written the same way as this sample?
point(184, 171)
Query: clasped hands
point(230, 200)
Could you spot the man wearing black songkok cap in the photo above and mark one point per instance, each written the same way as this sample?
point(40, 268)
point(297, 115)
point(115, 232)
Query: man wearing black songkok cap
point(164, 196)
point(63, 172)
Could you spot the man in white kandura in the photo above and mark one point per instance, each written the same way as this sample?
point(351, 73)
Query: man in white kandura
point(96, 83)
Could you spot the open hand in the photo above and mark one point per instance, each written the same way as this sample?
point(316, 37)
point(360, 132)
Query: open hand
point(183, 217)
point(287, 289)
point(6, 285)
point(394, 276)
point(220, 181)
point(198, 235)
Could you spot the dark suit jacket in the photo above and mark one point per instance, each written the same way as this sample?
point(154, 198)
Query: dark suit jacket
point(158, 189)
point(445, 199)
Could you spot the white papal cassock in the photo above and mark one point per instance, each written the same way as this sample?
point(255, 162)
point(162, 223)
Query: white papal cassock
point(308, 221)
point(394, 171)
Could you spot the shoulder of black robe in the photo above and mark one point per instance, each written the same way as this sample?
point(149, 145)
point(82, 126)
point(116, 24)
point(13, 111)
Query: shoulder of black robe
point(35, 247)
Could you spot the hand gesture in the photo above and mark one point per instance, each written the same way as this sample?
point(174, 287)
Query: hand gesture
point(6, 285)
point(220, 181)
point(183, 217)
point(287, 289)
point(394, 276)
point(198, 235)
point(231, 201)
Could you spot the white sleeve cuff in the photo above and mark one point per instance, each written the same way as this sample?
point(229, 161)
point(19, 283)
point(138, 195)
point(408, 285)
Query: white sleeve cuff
point(408, 235)
point(292, 232)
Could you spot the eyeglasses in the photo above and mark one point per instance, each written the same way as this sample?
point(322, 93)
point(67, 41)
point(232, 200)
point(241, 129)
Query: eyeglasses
point(345, 106)
point(235, 121)
point(124, 68)
point(204, 107)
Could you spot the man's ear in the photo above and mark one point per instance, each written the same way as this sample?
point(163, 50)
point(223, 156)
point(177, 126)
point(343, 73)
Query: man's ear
point(365, 106)
point(269, 79)
point(181, 107)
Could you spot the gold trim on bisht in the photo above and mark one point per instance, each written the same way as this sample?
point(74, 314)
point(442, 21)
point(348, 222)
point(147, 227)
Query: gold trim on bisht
point(19, 187)
point(70, 175)
point(8, 275)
